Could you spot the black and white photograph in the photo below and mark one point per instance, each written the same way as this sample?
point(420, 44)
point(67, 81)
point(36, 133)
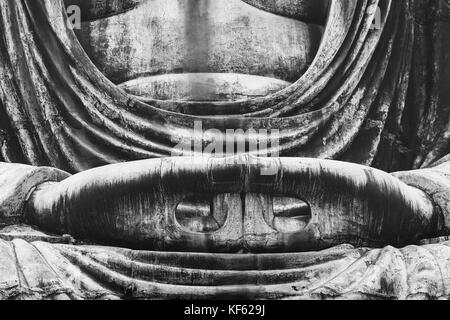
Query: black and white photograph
point(224, 150)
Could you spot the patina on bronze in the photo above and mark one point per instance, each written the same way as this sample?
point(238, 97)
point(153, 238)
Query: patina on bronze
point(91, 121)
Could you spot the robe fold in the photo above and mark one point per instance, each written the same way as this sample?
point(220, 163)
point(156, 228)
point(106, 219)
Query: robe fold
point(374, 95)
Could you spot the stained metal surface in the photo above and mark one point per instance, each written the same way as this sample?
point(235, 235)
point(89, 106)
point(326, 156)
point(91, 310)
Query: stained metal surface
point(227, 205)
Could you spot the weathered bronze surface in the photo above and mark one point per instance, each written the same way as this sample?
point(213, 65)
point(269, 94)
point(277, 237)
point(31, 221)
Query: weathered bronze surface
point(345, 101)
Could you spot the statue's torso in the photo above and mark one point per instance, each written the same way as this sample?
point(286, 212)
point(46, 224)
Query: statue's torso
point(219, 44)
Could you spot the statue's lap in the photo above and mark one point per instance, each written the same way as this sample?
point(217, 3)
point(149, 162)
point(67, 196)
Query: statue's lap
point(31, 270)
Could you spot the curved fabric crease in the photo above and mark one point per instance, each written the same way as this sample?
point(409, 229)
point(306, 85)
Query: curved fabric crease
point(78, 119)
point(89, 272)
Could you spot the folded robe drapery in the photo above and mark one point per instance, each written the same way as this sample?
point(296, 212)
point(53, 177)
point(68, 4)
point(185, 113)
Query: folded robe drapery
point(40, 270)
point(362, 99)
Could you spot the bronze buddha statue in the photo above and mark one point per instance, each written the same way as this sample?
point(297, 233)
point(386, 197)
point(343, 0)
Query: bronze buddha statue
point(314, 160)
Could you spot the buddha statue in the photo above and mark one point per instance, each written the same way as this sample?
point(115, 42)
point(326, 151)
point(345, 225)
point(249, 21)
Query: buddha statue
point(211, 149)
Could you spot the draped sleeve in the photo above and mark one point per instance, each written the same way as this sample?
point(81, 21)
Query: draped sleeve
point(361, 100)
